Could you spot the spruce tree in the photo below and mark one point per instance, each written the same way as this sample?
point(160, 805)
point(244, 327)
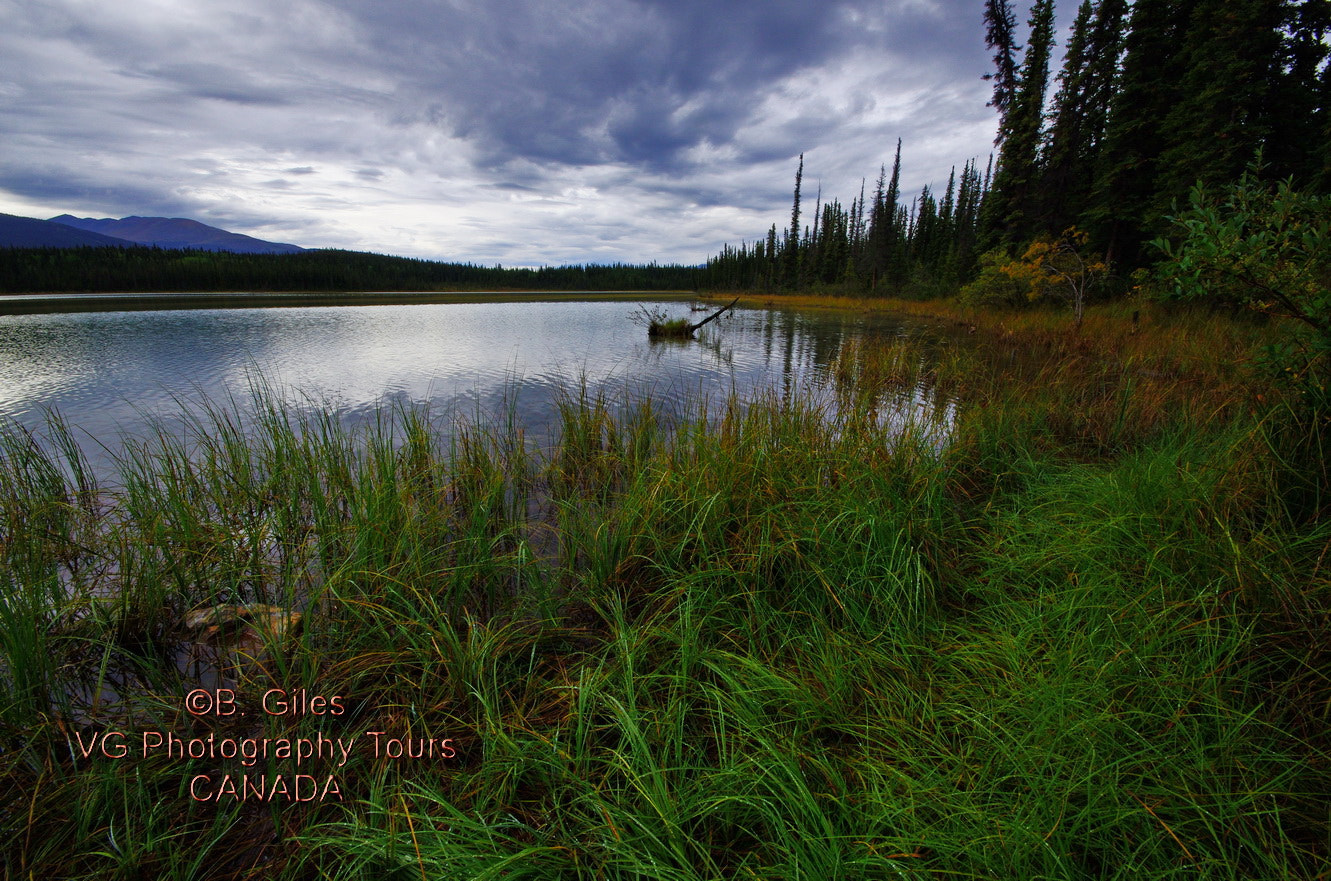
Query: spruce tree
point(1001, 36)
point(1297, 145)
point(1320, 160)
point(1126, 177)
point(1231, 64)
point(895, 233)
point(1081, 112)
point(966, 215)
point(882, 234)
point(793, 242)
point(1010, 216)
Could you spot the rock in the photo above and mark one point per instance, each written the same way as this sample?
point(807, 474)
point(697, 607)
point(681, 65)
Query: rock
point(244, 632)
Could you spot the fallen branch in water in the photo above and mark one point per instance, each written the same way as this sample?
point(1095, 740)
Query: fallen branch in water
point(658, 326)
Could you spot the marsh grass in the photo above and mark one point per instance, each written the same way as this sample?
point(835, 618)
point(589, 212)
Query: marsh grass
point(676, 328)
point(777, 638)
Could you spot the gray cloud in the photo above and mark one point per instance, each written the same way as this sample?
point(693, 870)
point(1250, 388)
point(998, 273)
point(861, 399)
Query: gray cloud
point(487, 130)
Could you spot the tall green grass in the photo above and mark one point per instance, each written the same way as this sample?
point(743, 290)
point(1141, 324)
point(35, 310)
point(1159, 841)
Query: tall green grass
point(779, 638)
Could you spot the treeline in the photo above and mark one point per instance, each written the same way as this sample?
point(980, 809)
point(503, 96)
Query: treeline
point(146, 270)
point(1153, 97)
point(877, 242)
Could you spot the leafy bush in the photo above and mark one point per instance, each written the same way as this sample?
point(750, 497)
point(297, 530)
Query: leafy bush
point(1268, 249)
point(1049, 269)
point(997, 284)
point(1265, 249)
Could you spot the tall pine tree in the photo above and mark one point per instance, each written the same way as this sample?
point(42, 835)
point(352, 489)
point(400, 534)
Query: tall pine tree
point(793, 241)
point(1081, 112)
point(1010, 212)
point(1125, 186)
point(1224, 112)
point(1298, 143)
point(1001, 36)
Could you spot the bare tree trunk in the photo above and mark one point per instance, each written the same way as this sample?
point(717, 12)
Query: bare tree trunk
point(680, 330)
point(714, 315)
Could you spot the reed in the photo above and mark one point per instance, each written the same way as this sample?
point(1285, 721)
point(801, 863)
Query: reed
point(779, 638)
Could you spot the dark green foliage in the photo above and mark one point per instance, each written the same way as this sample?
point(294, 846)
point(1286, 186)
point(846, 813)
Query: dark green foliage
point(1225, 111)
point(1000, 35)
point(1153, 67)
point(152, 269)
point(1011, 209)
point(1081, 111)
point(1205, 85)
point(1300, 140)
point(1320, 147)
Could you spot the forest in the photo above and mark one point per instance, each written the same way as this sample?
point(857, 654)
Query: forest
point(1159, 106)
point(784, 637)
point(144, 269)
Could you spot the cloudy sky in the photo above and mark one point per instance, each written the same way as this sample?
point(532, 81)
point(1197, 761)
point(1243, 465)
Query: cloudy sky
point(492, 131)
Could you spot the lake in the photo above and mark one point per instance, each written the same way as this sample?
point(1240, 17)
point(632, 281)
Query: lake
point(109, 373)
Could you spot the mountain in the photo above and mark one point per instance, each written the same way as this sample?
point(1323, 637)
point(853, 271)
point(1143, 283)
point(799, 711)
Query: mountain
point(175, 232)
point(29, 232)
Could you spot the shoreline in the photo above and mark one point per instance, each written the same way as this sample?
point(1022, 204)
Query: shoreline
point(61, 301)
point(745, 629)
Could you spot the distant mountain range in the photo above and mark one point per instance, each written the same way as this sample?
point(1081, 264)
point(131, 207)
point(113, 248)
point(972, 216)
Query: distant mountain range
point(67, 231)
point(29, 232)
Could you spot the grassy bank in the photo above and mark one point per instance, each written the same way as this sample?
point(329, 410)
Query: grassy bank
point(1086, 639)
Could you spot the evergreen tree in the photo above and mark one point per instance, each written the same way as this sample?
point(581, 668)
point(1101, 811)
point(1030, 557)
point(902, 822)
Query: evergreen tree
point(1001, 36)
point(1148, 87)
point(896, 231)
point(1225, 112)
point(965, 219)
point(1081, 112)
point(894, 185)
point(1298, 142)
point(793, 241)
point(880, 230)
point(1010, 218)
point(1320, 160)
point(858, 233)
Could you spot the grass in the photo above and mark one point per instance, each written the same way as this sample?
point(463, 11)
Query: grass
point(678, 327)
point(777, 639)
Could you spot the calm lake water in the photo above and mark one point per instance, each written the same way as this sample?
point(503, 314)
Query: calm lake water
point(109, 373)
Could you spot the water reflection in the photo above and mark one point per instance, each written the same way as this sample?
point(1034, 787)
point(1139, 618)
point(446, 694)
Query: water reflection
point(110, 373)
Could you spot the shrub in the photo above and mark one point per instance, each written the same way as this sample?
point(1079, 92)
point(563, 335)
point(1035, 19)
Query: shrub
point(997, 284)
point(1267, 249)
point(1049, 269)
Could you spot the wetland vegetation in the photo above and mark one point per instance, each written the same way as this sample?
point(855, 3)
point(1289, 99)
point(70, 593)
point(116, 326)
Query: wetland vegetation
point(1080, 634)
point(1086, 637)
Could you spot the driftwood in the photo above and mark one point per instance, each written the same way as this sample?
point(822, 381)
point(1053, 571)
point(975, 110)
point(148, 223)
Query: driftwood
point(681, 328)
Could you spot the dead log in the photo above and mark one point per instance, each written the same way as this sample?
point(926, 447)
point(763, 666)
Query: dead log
point(682, 329)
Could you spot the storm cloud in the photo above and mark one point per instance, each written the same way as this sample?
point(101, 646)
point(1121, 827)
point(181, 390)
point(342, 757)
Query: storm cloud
point(503, 131)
